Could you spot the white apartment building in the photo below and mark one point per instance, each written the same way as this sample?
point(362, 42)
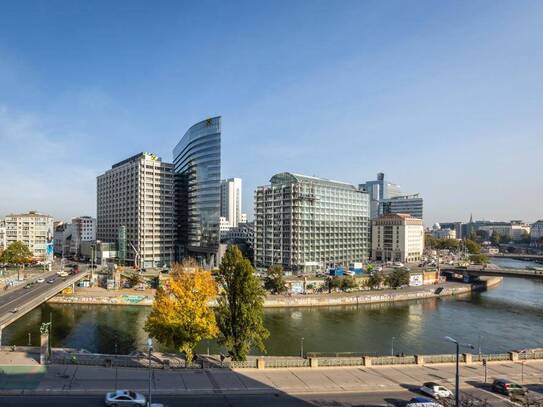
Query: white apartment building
point(231, 200)
point(33, 229)
point(138, 193)
point(62, 239)
point(3, 243)
point(444, 233)
point(397, 237)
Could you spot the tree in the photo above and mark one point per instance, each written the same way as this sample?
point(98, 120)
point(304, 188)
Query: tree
point(16, 253)
point(134, 279)
point(479, 259)
point(430, 242)
point(348, 283)
point(333, 283)
point(275, 280)
point(472, 246)
point(181, 316)
point(448, 244)
point(370, 268)
point(375, 280)
point(397, 278)
point(496, 238)
point(240, 306)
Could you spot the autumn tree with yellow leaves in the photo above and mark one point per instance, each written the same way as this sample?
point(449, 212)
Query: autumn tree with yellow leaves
point(181, 316)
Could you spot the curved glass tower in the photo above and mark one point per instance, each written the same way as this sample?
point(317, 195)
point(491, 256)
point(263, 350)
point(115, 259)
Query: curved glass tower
point(197, 160)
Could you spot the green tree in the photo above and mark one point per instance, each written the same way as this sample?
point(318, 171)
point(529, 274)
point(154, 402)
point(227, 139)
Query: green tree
point(348, 283)
point(496, 238)
point(370, 268)
point(275, 280)
point(375, 280)
point(472, 246)
point(16, 253)
point(333, 283)
point(240, 311)
point(181, 316)
point(430, 242)
point(397, 278)
point(448, 244)
point(133, 278)
point(479, 259)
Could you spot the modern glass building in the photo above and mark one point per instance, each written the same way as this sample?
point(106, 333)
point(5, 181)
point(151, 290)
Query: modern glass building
point(197, 161)
point(307, 224)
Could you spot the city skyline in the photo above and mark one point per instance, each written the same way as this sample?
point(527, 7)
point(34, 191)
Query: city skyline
point(436, 100)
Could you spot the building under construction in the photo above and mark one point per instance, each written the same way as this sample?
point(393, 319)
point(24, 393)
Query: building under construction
point(307, 224)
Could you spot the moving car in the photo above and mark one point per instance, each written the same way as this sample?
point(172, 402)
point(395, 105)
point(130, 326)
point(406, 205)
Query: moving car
point(507, 387)
point(422, 402)
point(40, 280)
point(436, 390)
point(14, 310)
point(121, 398)
point(28, 286)
point(51, 281)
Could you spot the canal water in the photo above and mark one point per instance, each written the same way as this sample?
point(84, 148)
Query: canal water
point(504, 318)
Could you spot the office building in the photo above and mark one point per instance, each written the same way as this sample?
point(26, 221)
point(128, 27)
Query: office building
point(231, 200)
point(456, 226)
point(377, 191)
point(137, 195)
point(197, 161)
point(307, 224)
point(62, 239)
point(33, 229)
point(397, 237)
point(536, 231)
point(83, 230)
point(407, 204)
point(440, 232)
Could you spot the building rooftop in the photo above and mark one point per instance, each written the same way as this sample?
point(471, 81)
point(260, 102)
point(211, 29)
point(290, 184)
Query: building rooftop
point(289, 177)
point(30, 214)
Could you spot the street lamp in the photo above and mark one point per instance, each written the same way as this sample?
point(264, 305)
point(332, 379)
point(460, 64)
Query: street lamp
point(457, 376)
point(392, 346)
point(150, 348)
point(302, 347)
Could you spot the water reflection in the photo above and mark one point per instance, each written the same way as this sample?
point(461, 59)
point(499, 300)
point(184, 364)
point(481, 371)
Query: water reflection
point(507, 317)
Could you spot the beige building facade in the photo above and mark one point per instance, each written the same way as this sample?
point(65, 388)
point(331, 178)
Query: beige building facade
point(33, 229)
point(397, 237)
point(138, 194)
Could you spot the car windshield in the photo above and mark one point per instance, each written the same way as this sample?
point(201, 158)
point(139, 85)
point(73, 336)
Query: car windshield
point(132, 394)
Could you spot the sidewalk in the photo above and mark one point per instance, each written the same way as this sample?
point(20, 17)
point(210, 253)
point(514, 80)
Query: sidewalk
point(31, 378)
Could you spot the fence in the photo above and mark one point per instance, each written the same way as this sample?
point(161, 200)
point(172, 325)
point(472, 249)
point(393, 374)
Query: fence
point(174, 361)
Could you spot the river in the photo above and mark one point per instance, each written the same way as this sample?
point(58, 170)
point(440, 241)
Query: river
point(507, 317)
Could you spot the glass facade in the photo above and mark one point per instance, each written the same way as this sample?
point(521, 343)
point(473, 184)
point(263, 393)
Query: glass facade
point(197, 161)
point(308, 224)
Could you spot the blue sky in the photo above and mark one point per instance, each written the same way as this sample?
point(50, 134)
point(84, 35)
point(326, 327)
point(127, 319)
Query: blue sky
point(446, 98)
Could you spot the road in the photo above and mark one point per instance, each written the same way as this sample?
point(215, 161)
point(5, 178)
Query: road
point(397, 399)
point(18, 300)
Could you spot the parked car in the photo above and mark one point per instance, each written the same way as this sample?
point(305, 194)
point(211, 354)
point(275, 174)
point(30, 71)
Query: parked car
point(422, 402)
point(120, 398)
point(509, 388)
point(436, 390)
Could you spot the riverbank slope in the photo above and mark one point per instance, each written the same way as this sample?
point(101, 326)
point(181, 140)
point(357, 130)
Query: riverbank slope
point(131, 297)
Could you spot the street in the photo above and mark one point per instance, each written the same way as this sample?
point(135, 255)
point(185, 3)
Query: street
point(396, 399)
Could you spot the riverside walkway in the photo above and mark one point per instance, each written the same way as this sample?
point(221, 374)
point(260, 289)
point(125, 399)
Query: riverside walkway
point(21, 374)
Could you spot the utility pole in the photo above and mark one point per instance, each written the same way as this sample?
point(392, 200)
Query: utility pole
point(457, 375)
point(150, 347)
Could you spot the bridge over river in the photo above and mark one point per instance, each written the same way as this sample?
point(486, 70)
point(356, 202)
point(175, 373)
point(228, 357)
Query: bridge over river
point(19, 301)
point(495, 271)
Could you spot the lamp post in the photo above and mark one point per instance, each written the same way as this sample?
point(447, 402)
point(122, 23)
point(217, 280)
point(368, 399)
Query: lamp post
point(301, 347)
point(457, 376)
point(150, 348)
point(392, 346)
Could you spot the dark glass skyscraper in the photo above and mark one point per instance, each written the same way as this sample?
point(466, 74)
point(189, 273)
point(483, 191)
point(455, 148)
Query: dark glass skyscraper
point(197, 160)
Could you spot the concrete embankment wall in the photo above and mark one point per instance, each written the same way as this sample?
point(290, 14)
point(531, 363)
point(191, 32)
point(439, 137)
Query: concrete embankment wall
point(320, 300)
